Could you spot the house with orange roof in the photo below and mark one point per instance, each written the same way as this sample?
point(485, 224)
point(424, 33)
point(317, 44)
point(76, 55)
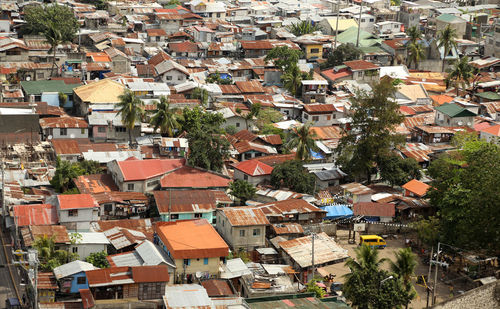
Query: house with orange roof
point(64, 127)
point(141, 175)
point(187, 178)
point(252, 171)
point(440, 99)
point(415, 188)
point(194, 245)
point(491, 134)
point(77, 211)
point(242, 227)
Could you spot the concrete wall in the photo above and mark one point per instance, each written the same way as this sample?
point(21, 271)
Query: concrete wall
point(329, 228)
point(170, 26)
point(239, 175)
point(71, 133)
point(188, 216)
point(196, 265)
point(175, 76)
point(84, 250)
point(482, 297)
point(84, 215)
point(490, 138)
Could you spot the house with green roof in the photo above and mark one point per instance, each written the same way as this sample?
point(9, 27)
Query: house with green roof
point(454, 115)
point(48, 91)
point(455, 22)
point(487, 96)
point(366, 39)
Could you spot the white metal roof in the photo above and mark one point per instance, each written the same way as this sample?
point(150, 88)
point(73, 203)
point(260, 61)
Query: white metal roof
point(92, 238)
point(72, 268)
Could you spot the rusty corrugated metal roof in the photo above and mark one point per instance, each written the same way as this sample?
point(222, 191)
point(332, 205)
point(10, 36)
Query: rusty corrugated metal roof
point(245, 216)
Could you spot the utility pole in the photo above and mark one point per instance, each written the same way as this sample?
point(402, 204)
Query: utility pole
point(436, 275)
point(429, 277)
point(359, 21)
point(337, 25)
point(3, 192)
point(313, 235)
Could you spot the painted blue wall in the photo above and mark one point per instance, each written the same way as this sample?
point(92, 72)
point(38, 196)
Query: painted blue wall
point(52, 99)
point(75, 287)
point(188, 216)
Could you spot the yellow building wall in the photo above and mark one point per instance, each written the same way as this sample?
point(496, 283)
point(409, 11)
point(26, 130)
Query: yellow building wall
point(316, 55)
point(197, 265)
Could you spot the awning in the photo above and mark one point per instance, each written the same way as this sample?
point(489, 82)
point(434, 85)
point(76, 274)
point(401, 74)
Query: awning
point(73, 61)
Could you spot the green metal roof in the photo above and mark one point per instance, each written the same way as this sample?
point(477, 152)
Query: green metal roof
point(372, 50)
point(351, 35)
point(297, 301)
point(489, 95)
point(448, 18)
point(40, 86)
point(453, 110)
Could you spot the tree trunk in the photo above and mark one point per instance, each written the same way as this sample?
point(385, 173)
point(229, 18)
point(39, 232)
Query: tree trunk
point(130, 136)
point(444, 59)
point(369, 176)
point(53, 62)
point(456, 86)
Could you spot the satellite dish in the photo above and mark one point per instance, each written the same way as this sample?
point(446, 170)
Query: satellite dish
point(28, 78)
point(459, 123)
point(49, 137)
point(198, 274)
point(72, 136)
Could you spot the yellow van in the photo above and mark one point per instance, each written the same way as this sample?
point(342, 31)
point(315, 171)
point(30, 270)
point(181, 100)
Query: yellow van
point(373, 241)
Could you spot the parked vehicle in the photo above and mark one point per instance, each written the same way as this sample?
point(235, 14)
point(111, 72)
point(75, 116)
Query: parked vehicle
point(373, 241)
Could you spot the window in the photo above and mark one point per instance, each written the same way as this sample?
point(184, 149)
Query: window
point(120, 129)
point(81, 280)
point(372, 20)
point(180, 77)
point(245, 177)
point(83, 131)
point(101, 129)
point(315, 118)
point(256, 232)
point(63, 131)
point(158, 288)
point(242, 233)
point(197, 216)
point(362, 20)
point(334, 116)
point(174, 216)
point(306, 116)
point(75, 249)
point(73, 213)
point(328, 117)
point(130, 186)
point(169, 77)
point(218, 14)
point(187, 262)
point(40, 76)
point(237, 124)
point(314, 50)
point(205, 261)
point(153, 183)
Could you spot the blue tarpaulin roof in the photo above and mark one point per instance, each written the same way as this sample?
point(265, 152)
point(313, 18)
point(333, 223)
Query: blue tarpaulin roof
point(316, 155)
point(339, 211)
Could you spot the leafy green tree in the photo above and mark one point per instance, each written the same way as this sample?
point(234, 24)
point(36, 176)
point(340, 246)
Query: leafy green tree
point(395, 2)
point(312, 287)
point(63, 98)
point(165, 117)
point(89, 167)
point(292, 79)
point(57, 23)
point(231, 130)
point(131, 109)
point(427, 230)
point(461, 73)
point(414, 34)
point(291, 174)
point(303, 27)
point(269, 129)
point(462, 138)
point(404, 268)
point(367, 286)
point(398, 171)
point(371, 137)
point(242, 190)
point(447, 40)
point(283, 57)
point(254, 112)
point(268, 116)
point(64, 174)
point(416, 54)
point(343, 53)
point(48, 256)
point(200, 94)
point(207, 147)
point(465, 192)
point(98, 259)
point(174, 2)
point(302, 139)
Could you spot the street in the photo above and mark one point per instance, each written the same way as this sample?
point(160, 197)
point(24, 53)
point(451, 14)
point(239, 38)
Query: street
point(7, 289)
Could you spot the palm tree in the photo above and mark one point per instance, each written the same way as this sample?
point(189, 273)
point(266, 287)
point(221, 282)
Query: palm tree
point(54, 37)
point(404, 267)
point(165, 117)
point(446, 40)
point(131, 110)
point(200, 94)
point(461, 73)
point(64, 175)
point(302, 139)
point(414, 34)
point(367, 259)
point(303, 27)
point(416, 53)
point(292, 79)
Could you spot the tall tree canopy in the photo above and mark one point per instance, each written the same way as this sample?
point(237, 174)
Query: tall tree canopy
point(292, 175)
point(398, 171)
point(302, 140)
point(303, 27)
point(131, 110)
point(165, 117)
point(465, 192)
point(461, 73)
point(344, 52)
point(283, 57)
point(371, 136)
point(447, 40)
point(207, 147)
point(242, 190)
